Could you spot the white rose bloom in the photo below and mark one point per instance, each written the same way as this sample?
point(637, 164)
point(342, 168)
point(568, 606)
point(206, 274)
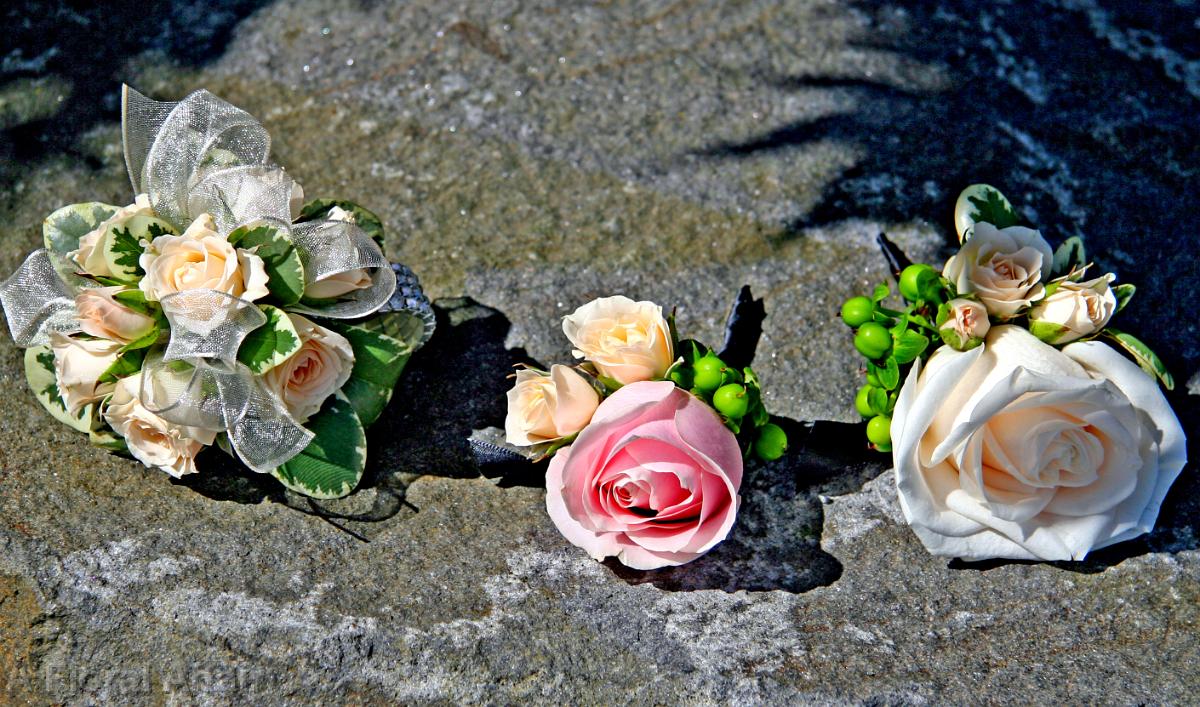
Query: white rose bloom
point(1074, 310)
point(201, 259)
point(543, 408)
point(78, 363)
point(152, 440)
point(1018, 450)
point(1005, 268)
point(627, 341)
point(90, 256)
point(318, 369)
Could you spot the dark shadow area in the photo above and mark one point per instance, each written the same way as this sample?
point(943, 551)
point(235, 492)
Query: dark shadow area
point(81, 51)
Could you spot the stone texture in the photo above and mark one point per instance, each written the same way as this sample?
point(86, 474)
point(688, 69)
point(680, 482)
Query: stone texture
point(527, 156)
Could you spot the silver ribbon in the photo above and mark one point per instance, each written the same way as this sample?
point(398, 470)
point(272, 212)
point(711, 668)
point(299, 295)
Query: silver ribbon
point(37, 302)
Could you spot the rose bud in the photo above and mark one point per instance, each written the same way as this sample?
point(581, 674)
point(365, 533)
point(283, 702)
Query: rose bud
point(341, 283)
point(545, 408)
point(964, 325)
point(1073, 310)
point(103, 316)
point(627, 341)
point(78, 365)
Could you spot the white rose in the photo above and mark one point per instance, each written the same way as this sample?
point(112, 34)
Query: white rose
point(317, 370)
point(627, 341)
point(1073, 310)
point(341, 283)
point(100, 314)
point(152, 440)
point(90, 254)
point(544, 408)
point(1003, 267)
point(966, 324)
point(1018, 450)
point(78, 364)
point(201, 259)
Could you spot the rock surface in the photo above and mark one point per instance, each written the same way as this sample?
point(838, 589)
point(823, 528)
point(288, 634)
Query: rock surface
point(528, 156)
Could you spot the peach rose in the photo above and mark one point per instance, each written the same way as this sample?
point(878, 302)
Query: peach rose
point(152, 440)
point(320, 367)
point(201, 259)
point(544, 408)
point(627, 341)
point(90, 254)
point(78, 364)
point(1003, 267)
point(966, 324)
point(1074, 310)
point(1018, 450)
point(103, 316)
point(652, 481)
point(341, 283)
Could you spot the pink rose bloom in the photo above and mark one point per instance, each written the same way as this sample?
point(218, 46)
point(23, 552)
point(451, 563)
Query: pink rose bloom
point(653, 480)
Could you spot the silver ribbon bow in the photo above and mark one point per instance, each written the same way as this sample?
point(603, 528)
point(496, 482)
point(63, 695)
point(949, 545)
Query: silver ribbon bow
point(203, 155)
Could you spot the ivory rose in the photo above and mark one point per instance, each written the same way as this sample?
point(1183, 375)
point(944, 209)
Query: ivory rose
point(966, 324)
point(1018, 450)
point(1073, 310)
point(342, 283)
point(78, 364)
point(1003, 267)
point(201, 259)
point(103, 316)
point(315, 371)
point(652, 481)
point(627, 341)
point(152, 440)
point(544, 408)
point(90, 254)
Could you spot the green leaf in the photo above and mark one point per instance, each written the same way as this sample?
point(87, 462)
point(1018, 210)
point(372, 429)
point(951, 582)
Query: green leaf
point(122, 245)
point(271, 344)
point(39, 372)
point(103, 436)
point(909, 346)
point(409, 328)
point(148, 339)
point(888, 374)
point(62, 230)
point(1144, 356)
point(332, 464)
point(1048, 332)
point(135, 299)
point(1069, 256)
point(877, 400)
point(364, 219)
point(285, 271)
point(127, 363)
point(982, 202)
point(1124, 293)
point(881, 293)
point(378, 362)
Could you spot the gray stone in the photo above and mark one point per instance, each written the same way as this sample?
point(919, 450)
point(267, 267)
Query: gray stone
point(526, 157)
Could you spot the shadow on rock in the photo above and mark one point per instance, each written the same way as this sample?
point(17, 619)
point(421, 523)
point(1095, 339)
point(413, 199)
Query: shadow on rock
point(62, 63)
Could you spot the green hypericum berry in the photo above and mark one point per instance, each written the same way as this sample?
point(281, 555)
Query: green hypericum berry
point(682, 377)
point(708, 373)
point(731, 401)
point(872, 340)
point(858, 311)
point(861, 401)
point(918, 282)
point(772, 442)
point(879, 431)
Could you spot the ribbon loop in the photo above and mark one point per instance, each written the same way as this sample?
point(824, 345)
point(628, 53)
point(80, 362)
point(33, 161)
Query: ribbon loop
point(37, 302)
point(208, 324)
point(330, 247)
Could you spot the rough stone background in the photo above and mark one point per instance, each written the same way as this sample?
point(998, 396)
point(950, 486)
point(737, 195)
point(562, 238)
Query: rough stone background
point(527, 156)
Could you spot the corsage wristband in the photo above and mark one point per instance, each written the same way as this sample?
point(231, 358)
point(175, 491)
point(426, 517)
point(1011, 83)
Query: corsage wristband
point(217, 308)
point(1016, 429)
point(647, 435)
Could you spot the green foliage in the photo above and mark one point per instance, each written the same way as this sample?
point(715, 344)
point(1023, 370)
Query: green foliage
point(39, 373)
point(333, 462)
point(127, 363)
point(1069, 257)
point(271, 344)
point(285, 271)
point(1123, 292)
point(1143, 355)
point(62, 230)
point(378, 362)
point(982, 202)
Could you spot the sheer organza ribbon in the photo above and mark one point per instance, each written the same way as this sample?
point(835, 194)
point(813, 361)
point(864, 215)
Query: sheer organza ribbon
point(203, 155)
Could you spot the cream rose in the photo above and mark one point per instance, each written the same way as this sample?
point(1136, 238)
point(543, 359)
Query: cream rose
point(342, 283)
point(544, 408)
point(1018, 450)
point(152, 440)
point(1003, 267)
point(103, 316)
point(319, 368)
point(1073, 310)
point(201, 259)
point(90, 254)
point(966, 324)
point(78, 364)
point(627, 341)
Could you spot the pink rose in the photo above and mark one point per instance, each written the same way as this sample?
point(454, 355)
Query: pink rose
point(653, 480)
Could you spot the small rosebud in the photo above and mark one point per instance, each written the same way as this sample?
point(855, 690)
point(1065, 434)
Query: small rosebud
point(1073, 310)
point(962, 324)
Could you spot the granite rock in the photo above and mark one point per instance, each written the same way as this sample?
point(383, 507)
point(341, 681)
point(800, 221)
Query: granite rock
point(528, 156)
